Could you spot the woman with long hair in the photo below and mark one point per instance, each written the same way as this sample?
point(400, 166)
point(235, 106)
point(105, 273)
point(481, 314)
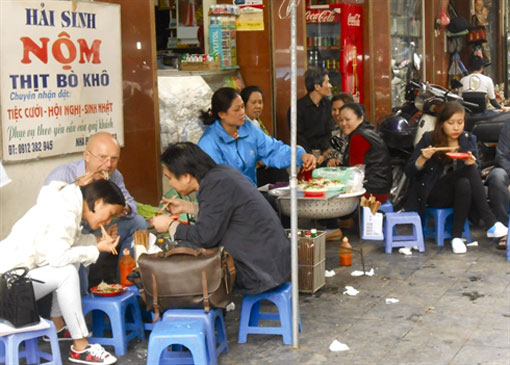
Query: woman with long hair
point(439, 181)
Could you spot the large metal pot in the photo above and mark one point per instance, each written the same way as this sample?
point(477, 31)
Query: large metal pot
point(333, 207)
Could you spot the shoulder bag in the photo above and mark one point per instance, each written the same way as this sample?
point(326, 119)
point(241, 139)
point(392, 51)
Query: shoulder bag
point(17, 299)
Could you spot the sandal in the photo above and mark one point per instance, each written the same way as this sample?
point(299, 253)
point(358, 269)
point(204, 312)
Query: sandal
point(502, 243)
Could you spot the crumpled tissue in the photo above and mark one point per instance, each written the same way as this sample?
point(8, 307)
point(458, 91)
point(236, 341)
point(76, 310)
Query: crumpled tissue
point(329, 273)
point(230, 307)
point(474, 243)
point(360, 273)
point(350, 291)
point(338, 346)
point(405, 251)
point(392, 300)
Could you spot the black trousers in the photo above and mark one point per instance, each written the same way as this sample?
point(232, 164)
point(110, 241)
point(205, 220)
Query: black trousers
point(463, 190)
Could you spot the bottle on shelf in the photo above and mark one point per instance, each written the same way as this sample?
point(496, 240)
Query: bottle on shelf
point(313, 233)
point(126, 265)
point(345, 252)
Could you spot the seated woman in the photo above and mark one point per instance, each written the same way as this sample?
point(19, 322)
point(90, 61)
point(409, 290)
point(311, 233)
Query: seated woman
point(48, 240)
point(253, 106)
point(233, 141)
point(339, 141)
point(441, 182)
point(366, 147)
point(230, 213)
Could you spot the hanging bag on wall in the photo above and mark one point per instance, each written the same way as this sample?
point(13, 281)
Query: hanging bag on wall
point(477, 34)
point(17, 299)
point(458, 23)
point(186, 278)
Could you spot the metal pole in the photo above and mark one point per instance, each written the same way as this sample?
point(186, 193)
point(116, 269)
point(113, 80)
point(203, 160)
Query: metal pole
point(293, 179)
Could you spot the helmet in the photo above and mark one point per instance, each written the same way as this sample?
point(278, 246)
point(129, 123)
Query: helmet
point(397, 132)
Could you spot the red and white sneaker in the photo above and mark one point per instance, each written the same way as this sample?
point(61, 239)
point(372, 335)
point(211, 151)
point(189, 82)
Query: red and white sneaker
point(92, 354)
point(62, 335)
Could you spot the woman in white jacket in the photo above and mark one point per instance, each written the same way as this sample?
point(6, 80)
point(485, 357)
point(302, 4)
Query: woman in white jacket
point(48, 240)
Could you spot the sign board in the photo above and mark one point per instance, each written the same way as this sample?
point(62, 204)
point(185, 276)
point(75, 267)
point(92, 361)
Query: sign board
point(60, 76)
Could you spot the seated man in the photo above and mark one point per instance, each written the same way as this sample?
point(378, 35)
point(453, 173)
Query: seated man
point(498, 180)
point(100, 160)
point(476, 86)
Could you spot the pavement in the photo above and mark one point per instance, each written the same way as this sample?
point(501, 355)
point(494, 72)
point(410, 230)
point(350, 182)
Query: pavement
point(451, 309)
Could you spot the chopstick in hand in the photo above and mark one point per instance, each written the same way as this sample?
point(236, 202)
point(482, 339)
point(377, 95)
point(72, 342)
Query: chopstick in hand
point(106, 235)
point(445, 148)
point(163, 208)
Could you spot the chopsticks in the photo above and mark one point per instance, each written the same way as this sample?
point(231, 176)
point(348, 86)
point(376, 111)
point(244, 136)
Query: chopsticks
point(141, 237)
point(163, 208)
point(106, 235)
point(445, 148)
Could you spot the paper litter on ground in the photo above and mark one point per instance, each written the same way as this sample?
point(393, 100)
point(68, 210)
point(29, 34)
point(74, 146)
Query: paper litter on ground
point(338, 346)
point(405, 251)
point(392, 300)
point(230, 307)
point(329, 273)
point(350, 291)
point(360, 273)
point(474, 243)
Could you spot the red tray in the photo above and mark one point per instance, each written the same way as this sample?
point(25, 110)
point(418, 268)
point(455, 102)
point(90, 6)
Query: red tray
point(94, 291)
point(314, 194)
point(458, 155)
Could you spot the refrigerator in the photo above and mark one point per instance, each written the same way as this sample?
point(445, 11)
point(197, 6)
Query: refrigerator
point(334, 38)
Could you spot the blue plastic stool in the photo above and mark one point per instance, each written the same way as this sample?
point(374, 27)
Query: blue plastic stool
point(392, 239)
point(147, 317)
point(213, 322)
point(251, 315)
point(10, 353)
point(507, 244)
point(115, 308)
point(386, 207)
point(443, 220)
point(189, 333)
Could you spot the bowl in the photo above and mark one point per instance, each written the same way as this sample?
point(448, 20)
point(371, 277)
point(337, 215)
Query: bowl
point(338, 206)
point(119, 289)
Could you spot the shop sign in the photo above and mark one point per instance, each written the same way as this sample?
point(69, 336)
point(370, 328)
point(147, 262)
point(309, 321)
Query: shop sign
point(322, 16)
point(60, 76)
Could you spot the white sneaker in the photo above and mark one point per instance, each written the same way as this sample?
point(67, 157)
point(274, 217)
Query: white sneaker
point(458, 246)
point(497, 230)
point(92, 354)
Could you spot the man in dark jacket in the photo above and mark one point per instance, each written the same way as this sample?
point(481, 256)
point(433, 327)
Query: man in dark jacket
point(230, 213)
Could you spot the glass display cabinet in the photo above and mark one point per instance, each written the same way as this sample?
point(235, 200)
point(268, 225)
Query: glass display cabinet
point(407, 45)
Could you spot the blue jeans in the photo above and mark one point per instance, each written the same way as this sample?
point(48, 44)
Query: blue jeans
point(499, 196)
point(107, 266)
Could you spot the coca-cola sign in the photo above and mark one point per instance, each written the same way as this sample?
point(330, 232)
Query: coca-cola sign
point(321, 16)
point(354, 20)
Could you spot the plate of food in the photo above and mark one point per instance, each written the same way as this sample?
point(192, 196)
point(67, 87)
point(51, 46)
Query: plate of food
point(313, 190)
point(458, 155)
point(108, 290)
point(334, 186)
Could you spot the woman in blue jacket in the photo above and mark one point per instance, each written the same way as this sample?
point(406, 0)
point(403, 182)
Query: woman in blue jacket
point(233, 141)
point(440, 182)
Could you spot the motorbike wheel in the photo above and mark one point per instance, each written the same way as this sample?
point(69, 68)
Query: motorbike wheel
point(399, 187)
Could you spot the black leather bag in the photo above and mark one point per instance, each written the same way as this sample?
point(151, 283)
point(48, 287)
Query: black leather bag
point(17, 299)
point(186, 278)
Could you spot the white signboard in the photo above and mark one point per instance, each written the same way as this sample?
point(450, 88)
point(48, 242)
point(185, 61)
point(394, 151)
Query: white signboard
point(60, 76)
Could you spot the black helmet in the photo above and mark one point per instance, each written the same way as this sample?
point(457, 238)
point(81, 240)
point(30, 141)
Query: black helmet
point(397, 132)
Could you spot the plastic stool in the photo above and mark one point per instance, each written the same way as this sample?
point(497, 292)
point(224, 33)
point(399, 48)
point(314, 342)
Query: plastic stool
point(11, 343)
point(443, 220)
point(508, 244)
point(391, 239)
point(251, 315)
point(189, 333)
point(213, 322)
point(386, 207)
point(115, 308)
point(147, 317)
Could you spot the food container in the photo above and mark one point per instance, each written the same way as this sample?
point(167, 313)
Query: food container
point(328, 207)
point(312, 277)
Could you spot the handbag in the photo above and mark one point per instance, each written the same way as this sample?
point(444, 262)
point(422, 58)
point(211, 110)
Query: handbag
point(17, 299)
point(186, 278)
point(477, 34)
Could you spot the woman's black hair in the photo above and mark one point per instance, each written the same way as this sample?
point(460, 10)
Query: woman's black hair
point(220, 102)
point(102, 189)
point(187, 158)
point(248, 90)
point(345, 97)
point(358, 109)
point(445, 112)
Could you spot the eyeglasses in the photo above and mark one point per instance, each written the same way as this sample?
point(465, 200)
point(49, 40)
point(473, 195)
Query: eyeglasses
point(103, 159)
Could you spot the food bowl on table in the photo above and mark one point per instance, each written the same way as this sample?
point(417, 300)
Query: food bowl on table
point(108, 290)
point(320, 208)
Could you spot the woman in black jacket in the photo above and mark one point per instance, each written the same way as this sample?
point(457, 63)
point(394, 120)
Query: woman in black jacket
point(441, 182)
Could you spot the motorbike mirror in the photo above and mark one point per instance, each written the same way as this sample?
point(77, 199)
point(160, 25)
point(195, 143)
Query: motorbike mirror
point(455, 84)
